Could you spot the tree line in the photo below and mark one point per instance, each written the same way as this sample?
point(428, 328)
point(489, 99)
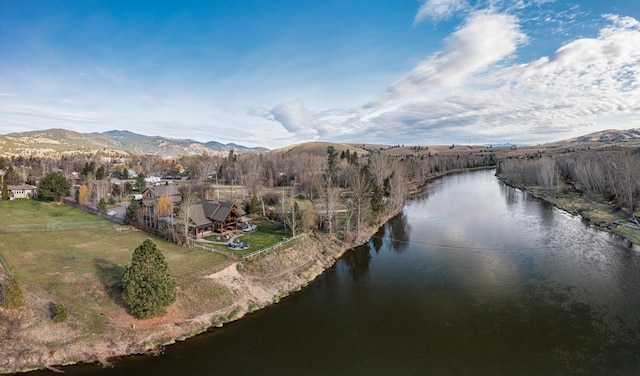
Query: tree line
point(611, 175)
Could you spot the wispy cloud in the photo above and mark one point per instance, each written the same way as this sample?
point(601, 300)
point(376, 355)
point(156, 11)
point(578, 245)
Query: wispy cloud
point(485, 39)
point(438, 9)
point(7, 95)
point(50, 113)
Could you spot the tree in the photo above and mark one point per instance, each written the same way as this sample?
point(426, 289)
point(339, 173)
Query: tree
point(53, 186)
point(84, 195)
point(130, 215)
point(13, 295)
point(5, 189)
point(102, 206)
point(100, 173)
point(186, 209)
point(141, 184)
point(147, 286)
point(164, 206)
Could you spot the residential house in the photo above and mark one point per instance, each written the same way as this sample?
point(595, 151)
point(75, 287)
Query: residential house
point(74, 179)
point(22, 191)
point(210, 217)
point(149, 202)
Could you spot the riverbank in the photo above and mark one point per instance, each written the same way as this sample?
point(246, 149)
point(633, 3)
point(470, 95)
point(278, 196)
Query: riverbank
point(32, 341)
point(600, 215)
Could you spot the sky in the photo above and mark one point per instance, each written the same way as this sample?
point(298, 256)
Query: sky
point(276, 73)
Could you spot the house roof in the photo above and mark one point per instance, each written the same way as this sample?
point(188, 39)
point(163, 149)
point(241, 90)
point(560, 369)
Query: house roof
point(198, 217)
point(164, 189)
point(25, 187)
point(219, 210)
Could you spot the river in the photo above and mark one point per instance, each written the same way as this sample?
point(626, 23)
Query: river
point(472, 278)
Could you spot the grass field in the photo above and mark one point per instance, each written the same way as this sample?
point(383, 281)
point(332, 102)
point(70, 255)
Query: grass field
point(81, 268)
point(268, 234)
point(20, 212)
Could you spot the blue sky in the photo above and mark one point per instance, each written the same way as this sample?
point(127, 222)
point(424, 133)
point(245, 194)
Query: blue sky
point(274, 73)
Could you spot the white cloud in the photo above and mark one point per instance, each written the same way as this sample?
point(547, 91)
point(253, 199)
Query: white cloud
point(468, 92)
point(485, 39)
point(295, 118)
point(437, 9)
point(7, 95)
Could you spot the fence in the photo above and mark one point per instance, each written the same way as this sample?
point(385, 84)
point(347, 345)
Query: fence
point(91, 210)
point(56, 226)
point(4, 266)
point(225, 253)
point(272, 247)
point(236, 256)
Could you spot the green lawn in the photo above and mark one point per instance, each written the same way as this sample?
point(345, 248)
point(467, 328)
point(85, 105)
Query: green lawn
point(268, 234)
point(23, 211)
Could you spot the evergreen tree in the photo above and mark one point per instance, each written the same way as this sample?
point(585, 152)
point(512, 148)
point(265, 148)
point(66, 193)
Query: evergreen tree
point(100, 173)
point(5, 189)
point(130, 215)
point(148, 288)
point(102, 206)
point(53, 186)
point(140, 183)
point(13, 295)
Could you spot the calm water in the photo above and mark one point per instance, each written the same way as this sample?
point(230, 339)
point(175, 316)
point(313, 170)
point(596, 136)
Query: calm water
point(473, 278)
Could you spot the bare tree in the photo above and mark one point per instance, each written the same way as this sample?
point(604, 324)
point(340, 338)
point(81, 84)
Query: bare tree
point(187, 205)
point(398, 186)
point(332, 195)
point(361, 188)
point(547, 173)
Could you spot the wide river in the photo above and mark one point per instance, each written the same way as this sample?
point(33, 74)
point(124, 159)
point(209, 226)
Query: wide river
point(472, 278)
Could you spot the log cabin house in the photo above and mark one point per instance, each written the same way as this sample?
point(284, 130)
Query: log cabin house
point(209, 217)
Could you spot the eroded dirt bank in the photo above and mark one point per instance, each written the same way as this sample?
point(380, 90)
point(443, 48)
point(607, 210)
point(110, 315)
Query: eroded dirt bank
point(27, 341)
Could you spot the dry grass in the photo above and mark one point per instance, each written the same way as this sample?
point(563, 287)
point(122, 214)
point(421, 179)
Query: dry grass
point(81, 269)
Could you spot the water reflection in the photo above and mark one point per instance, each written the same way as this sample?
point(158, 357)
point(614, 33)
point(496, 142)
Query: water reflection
point(399, 230)
point(357, 261)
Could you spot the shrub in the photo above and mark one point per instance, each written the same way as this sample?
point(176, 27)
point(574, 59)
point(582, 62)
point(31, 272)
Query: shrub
point(13, 295)
point(60, 313)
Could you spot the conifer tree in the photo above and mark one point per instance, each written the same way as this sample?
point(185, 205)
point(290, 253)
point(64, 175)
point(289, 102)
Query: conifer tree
point(148, 288)
point(5, 190)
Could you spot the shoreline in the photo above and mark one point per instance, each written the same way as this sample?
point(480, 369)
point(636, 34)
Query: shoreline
point(599, 226)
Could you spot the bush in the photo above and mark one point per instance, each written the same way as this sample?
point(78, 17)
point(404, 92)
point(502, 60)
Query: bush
point(13, 295)
point(60, 313)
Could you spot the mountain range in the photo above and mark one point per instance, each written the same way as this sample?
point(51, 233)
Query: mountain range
point(114, 142)
point(57, 142)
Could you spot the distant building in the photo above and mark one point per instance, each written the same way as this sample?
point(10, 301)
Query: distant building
point(22, 191)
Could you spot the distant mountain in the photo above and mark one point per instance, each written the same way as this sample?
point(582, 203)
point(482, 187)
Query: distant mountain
point(114, 142)
point(608, 136)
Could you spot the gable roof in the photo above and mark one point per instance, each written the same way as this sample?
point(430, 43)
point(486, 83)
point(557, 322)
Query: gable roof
point(25, 187)
point(219, 210)
point(198, 217)
point(164, 189)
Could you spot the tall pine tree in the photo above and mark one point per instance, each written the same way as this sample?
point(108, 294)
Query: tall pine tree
point(148, 288)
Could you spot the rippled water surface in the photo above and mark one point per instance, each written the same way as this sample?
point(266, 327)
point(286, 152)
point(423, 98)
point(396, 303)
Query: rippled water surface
point(473, 278)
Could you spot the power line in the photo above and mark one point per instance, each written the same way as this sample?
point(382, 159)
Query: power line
point(476, 248)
